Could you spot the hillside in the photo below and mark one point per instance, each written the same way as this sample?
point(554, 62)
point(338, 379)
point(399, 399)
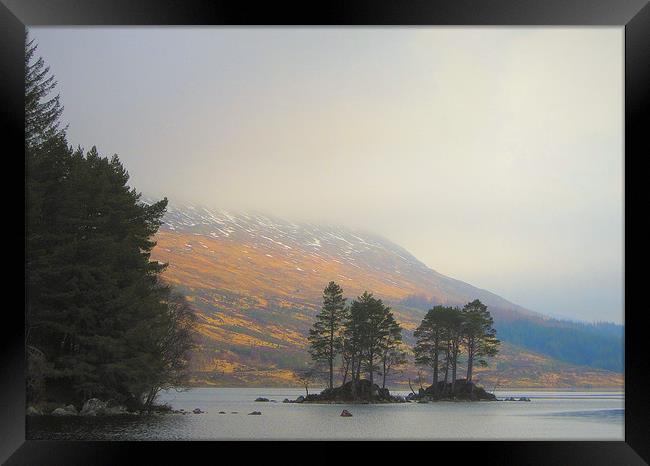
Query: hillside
point(256, 282)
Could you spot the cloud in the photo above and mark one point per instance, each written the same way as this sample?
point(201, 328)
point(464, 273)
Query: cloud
point(495, 155)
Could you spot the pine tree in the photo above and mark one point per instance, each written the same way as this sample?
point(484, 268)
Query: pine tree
point(42, 113)
point(453, 324)
point(99, 320)
point(430, 342)
point(97, 302)
point(479, 335)
point(392, 353)
point(376, 332)
point(48, 163)
point(439, 334)
point(324, 336)
point(368, 327)
point(354, 328)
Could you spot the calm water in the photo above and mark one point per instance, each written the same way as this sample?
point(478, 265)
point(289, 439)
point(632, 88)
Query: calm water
point(549, 416)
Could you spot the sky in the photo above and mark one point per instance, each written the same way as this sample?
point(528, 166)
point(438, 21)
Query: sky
point(494, 155)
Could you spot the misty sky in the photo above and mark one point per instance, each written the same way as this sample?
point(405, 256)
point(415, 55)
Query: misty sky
point(494, 155)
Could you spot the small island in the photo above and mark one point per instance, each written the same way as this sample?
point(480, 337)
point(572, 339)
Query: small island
point(462, 390)
point(345, 394)
point(365, 338)
point(362, 393)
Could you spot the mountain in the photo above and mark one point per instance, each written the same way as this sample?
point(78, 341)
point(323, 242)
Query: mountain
point(256, 282)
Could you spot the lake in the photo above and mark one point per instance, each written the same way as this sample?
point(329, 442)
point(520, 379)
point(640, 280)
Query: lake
point(548, 416)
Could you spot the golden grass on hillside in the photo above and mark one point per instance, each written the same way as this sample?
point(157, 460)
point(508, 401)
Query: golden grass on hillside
point(232, 286)
point(261, 272)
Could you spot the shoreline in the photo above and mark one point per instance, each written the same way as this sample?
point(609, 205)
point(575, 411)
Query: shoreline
point(165, 409)
point(399, 389)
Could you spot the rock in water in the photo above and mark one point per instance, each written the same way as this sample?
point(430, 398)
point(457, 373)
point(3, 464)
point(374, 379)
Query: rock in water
point(113, 408)
point(32, 411)
point(65, 411)
point(198, 411)
point(255, 413)
point(346, 413)
point(93, 407)
point(261, 399)
point(300, 399)
point(71, 409)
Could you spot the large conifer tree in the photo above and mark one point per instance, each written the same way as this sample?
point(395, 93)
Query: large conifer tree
point(324, 336)
point(453, 332)
point(376, 330)
point(479, 335)
point(99, 321)
point(42, 111)
point(391, 348)
point(368, 328)
point(430, 342)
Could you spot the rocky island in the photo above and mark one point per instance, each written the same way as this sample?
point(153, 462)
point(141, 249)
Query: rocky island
point(361, 394)
point(462, 390)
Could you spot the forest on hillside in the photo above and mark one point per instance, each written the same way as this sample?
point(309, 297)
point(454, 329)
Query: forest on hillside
point(599, 344)
point(577, 343)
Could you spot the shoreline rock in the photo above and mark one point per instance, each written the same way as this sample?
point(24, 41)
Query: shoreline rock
point(68, 410)
point(33, 411)
point(91, 408)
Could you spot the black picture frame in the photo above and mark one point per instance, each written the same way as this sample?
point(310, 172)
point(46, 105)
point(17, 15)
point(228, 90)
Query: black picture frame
point(633, 15)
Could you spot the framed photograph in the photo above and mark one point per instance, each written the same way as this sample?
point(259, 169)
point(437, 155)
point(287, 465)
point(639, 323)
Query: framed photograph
point(364, 222)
